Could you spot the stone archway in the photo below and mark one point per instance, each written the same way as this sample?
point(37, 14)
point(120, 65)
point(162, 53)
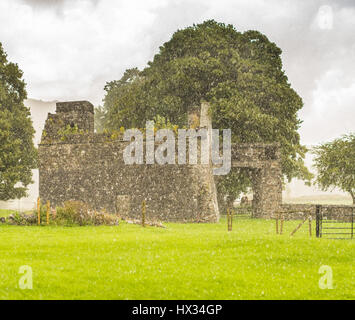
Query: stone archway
point(264, 161)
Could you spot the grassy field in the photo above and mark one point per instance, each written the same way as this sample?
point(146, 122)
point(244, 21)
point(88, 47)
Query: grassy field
point(321, 199)
point(6, 212)
point(183, 261)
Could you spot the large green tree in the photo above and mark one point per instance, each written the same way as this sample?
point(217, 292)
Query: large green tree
point(17, 151)
point(335, 164)
point(239, 74)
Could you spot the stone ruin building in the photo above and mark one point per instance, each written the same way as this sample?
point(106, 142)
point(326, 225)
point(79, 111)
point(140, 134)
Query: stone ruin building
point(88, 166)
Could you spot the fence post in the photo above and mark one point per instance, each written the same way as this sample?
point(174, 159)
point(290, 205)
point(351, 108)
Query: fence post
point(310, 225)
point(318, 207)
point(48, 209)
point(281, 223)
point(143, 213)
point(299, 226)
point(228, 220)
point(277, 223)
point(352, 224)
point(231, 218)
point(39, 211)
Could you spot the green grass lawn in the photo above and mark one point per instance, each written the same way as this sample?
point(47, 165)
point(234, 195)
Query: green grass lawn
point(183, 261)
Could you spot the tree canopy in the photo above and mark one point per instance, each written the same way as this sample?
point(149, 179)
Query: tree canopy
point(335, 164)
point(239, 74)
point(17, 151)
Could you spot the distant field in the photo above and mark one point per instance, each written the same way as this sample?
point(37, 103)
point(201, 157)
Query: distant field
point(326, 199)
point(183, 261)
point(6, 212)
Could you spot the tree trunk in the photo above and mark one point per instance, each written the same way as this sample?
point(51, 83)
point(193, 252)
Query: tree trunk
point(353, 196)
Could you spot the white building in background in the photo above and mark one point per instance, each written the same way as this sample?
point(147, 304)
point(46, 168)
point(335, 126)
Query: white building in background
point(39, 110)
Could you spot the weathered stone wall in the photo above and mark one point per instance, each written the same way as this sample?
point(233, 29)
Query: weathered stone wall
point(95, 173)
point(90, 167)
point(301, 211)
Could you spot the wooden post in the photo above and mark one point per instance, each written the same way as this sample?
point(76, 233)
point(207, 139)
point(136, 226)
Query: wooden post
point(48, 209)
point(54, 213)
point(277, 223)
point(352, 224)
point(231, 218)
point(143, 213)
point(310, 225)
point(318, 217)
point(39, 211)
point(299, 226)
point(228, 219)
point(281, 224)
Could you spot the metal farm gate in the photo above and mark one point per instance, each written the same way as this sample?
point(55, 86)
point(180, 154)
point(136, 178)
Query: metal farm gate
point(331, 226)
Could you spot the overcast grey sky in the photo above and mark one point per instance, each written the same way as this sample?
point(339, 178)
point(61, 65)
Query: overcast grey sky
point(69, 49)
